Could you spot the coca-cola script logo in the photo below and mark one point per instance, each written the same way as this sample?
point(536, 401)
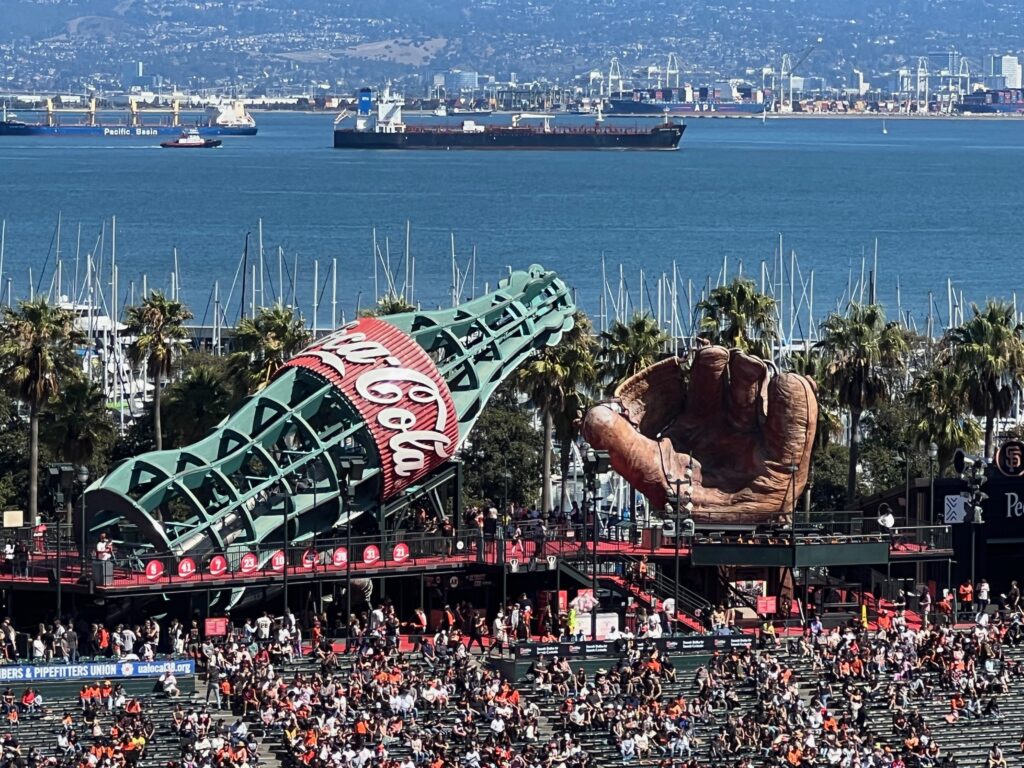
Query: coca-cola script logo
point(397, 390)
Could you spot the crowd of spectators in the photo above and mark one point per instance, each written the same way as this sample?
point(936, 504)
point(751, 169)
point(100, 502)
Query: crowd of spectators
point(444, 706)
point(845, 696)
point(820, 718)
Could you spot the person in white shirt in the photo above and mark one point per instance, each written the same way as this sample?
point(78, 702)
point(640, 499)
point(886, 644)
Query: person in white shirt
point(363, 757)
point(9, 557)
point(981, 598)
point(104, 548)
point(499, 632)
point(169, 684)
point(498, 726)
point(263, 624)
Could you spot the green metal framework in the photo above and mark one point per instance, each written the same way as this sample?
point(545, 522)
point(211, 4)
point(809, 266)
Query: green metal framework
point(281, 455)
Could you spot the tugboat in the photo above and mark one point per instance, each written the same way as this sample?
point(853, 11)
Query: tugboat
point(191, 139)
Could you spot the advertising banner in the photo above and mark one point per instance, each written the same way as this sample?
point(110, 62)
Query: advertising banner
point(99, 670)
point(588, 649)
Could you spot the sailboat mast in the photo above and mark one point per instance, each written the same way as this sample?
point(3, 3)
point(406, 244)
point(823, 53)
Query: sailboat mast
point(263, 298)
point(316, 288)
point(334, 293)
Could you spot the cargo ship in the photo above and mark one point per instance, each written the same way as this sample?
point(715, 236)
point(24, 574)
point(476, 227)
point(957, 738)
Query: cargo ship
point(681, 102)
point(221, 120)
point(1004, 101)
point(379, 125)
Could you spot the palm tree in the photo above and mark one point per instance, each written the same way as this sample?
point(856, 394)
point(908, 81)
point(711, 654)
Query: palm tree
point(940, 397)
point(263, 344)
point(578, 350)
point(809, 363)
point(628, 348)
point(738, 315)
point(988, 352)
point(77, 426)
point(556, 380)
point(37, 356)
point(389, 304)
point(158, 324)
point(196, 403)
point(861, 351)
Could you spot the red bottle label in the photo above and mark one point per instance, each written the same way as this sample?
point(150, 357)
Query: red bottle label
point(398, 391)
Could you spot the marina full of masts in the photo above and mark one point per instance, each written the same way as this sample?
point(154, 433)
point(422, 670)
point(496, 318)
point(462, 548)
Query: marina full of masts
point(87, 280)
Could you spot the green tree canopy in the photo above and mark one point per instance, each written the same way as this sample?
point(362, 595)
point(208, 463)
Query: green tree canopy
point(861, 351)
point(738, 315)
point(263, 344)
point(502, 453)
point(195, 404)
point(987, 352)
point(37, 358)
point(77, 426)
point(942, 409)
point(389, 304)
point(158, 325)
point(628, 348)
point(558, 380)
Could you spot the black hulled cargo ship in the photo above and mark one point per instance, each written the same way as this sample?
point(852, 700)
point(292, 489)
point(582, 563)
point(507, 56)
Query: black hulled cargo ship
point(383, 128)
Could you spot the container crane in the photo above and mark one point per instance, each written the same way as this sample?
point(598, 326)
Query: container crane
point(672, 71)
point(789, 68)
point(614, 77)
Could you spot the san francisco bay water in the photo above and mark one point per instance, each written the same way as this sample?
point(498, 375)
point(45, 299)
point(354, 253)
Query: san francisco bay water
point(944, 198)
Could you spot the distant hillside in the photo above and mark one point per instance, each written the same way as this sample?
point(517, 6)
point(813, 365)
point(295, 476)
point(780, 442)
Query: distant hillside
point(334, 41)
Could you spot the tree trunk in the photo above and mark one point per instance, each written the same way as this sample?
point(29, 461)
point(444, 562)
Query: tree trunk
point(545, 491)
point(990, 428)
point(851, 476)
point(33, 463)
point(158, 432)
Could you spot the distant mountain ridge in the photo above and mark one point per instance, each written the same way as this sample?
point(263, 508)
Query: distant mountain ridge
point(327, 40)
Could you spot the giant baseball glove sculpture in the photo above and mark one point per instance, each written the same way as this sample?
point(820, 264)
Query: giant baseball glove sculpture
point(742, 429)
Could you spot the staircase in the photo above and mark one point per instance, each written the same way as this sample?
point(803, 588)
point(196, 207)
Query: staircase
point(692, 606)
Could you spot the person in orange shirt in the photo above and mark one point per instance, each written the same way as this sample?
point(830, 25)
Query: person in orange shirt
point(857, 667)
point(966, 595)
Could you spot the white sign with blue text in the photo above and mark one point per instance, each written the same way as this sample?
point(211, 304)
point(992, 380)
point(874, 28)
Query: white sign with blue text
point(96, 670)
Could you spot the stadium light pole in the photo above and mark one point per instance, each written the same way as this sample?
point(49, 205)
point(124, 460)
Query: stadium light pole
point(350, 473)
point(83, 479)
point(288, 503)
point(933, 454)
point(676, 529)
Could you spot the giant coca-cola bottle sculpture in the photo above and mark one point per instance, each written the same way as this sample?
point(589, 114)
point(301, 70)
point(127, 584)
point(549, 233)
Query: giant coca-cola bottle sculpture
point(402, 392)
